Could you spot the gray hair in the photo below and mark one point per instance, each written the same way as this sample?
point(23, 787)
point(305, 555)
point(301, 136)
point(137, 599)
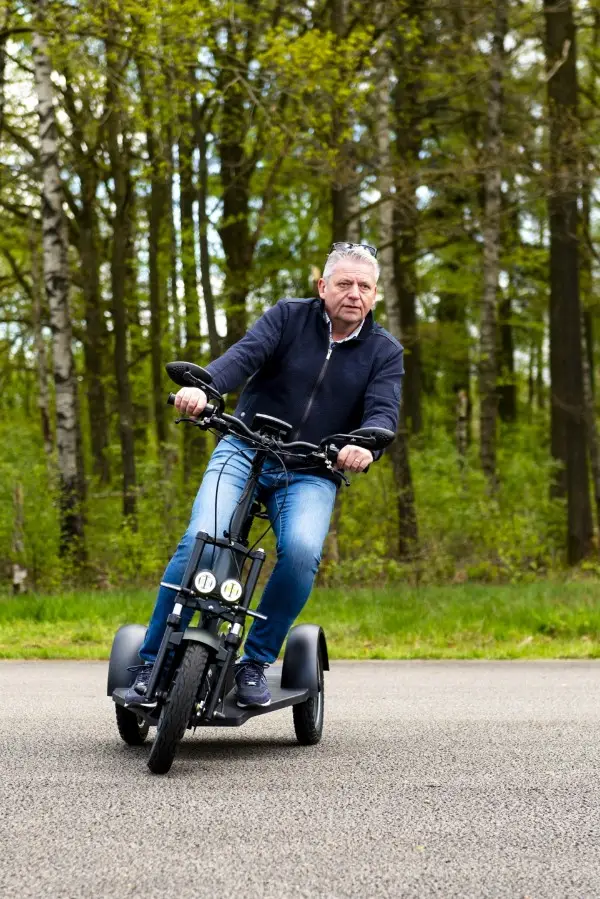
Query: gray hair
point(357, 253)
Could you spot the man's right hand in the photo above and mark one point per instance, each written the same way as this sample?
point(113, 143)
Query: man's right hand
point(190, 401)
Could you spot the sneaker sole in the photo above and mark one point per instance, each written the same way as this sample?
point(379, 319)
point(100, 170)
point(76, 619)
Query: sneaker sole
point(249, 705)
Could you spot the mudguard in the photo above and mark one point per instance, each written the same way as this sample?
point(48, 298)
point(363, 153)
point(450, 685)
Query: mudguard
point(300, 668)
point(123, 655)
point(200, 635)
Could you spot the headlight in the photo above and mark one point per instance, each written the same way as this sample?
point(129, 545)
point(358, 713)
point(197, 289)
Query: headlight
point(231, 590)
point(205, 582)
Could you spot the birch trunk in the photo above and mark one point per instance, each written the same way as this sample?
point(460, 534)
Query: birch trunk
point(199, 115)
point(43, 399)
point(488, 375)
point(56, 281)
point(407, 519)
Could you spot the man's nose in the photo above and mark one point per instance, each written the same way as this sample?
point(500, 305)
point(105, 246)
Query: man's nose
point(354, 292)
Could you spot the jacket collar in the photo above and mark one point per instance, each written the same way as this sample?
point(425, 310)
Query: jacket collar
point(366, 328)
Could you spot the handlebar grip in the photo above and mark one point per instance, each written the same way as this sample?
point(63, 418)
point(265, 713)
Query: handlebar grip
point(209, 409)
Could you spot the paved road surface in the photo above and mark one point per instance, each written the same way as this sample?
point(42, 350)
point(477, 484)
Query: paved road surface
point(433, 779)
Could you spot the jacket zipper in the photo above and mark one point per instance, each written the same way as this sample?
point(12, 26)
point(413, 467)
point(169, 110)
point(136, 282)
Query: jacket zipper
point(314, 391)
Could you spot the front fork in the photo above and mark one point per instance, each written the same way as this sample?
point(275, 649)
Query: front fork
point(230, 643)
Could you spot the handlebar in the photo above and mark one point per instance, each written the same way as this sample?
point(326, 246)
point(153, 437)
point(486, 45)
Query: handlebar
point(213, 416)
point(226, 423)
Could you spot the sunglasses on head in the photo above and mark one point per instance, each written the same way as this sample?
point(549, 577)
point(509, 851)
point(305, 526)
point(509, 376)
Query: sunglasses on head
point(345, 245)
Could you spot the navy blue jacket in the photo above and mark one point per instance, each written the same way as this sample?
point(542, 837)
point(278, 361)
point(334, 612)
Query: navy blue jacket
point(296, 374)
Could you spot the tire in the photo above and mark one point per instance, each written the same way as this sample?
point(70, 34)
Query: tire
point(178, 708)
point(309, 715)
point(133, 729)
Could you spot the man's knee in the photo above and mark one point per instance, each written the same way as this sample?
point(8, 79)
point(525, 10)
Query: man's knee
point(301, 553)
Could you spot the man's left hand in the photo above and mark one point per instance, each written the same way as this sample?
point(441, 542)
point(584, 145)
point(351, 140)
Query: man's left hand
point(353, 458)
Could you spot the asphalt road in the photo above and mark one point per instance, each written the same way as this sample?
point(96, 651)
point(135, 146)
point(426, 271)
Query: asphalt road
point(433, 779)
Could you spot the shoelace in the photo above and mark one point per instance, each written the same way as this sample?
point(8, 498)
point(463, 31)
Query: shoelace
point(251, 673)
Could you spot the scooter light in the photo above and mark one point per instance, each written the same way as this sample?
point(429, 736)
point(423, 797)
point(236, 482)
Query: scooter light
point(231, 590)
point(205, 582)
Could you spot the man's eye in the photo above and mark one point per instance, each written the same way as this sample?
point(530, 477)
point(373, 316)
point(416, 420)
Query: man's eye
point(344, 284)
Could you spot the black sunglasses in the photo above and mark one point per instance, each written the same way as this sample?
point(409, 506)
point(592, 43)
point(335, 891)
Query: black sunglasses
point(345, 245)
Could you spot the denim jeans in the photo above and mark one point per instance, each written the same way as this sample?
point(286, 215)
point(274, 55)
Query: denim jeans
point(300, 513)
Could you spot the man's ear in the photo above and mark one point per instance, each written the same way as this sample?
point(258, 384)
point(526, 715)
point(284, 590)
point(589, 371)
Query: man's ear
point(321, 287)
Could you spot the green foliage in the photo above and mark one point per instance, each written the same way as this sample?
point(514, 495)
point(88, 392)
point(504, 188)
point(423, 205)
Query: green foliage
point(464, 533)
point(23, 465)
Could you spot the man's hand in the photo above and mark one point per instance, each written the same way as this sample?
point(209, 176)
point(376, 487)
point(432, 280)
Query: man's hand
point(353, 458)
point(190, 401)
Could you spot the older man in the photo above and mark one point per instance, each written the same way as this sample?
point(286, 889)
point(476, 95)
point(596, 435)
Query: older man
point(325, 366)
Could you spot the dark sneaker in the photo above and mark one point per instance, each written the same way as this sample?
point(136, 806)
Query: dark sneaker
point(251, 684)
point(137, 691)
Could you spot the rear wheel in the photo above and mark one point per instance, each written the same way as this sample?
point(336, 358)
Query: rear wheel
point(178, 708)
point(132, 728)
point(308, 716)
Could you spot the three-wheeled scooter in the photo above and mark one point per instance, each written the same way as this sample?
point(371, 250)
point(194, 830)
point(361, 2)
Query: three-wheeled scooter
point(192, 681)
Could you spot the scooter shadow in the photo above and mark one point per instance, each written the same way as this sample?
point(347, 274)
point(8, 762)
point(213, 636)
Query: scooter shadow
point(209, 748)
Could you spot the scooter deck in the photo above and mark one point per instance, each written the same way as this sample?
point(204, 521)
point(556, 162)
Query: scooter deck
point(231, 715)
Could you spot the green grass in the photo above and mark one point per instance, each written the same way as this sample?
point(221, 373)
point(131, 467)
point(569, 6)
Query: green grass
point(538, 620)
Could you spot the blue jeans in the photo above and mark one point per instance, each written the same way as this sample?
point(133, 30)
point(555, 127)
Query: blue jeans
point(300, 514)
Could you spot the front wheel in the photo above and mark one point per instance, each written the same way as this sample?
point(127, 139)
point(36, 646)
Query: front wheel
point(308, 716)
point(178, 708)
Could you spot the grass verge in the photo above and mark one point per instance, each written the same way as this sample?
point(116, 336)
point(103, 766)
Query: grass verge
point(539, 620)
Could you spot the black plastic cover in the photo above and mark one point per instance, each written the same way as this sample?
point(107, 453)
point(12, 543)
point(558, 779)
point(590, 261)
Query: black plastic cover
point(177, 372)
point(300, 662)
point(123, 655)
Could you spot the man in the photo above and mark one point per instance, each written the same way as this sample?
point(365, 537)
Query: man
point(326, 367)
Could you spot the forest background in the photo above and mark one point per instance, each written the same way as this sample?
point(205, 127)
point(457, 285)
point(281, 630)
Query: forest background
point(170, 170)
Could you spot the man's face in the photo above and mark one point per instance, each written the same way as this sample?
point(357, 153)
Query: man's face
point(349, 293)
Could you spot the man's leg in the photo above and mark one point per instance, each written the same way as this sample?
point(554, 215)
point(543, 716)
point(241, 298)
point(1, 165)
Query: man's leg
point(301, 527)
point(219, 493)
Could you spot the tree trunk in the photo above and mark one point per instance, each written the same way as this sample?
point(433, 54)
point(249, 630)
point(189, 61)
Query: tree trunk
point(568, 407)
point(507, 389)
point(173, 275)
point(343, 201)
point(119, 276)
point(157, 208)
point(56, 280)
point(194, 441)
point(189, 264)
point(207, 293)
point(591, 425)
point(236, 170)
point(408, 62)
point(95, 341)
point(407, 519)
point(491, 250)
point(43, 399)
point(19, 569)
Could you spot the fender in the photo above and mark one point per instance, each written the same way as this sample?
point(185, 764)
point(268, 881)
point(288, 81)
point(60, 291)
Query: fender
point(123, 655)
point(306, 642)
point(201, 635)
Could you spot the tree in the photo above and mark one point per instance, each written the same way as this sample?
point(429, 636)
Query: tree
point(56, 281)
point(567, 407)
point(488, 373)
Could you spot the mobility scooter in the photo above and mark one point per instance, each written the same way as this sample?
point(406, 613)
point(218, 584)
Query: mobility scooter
point(192, 682)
